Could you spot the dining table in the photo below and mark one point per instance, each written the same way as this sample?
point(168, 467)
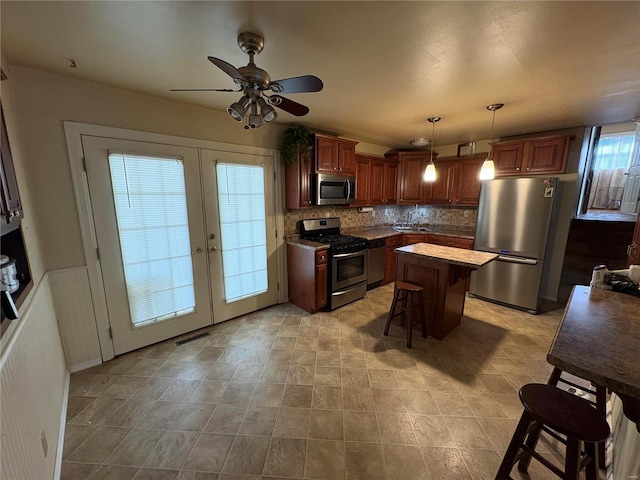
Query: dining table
point(598, 339)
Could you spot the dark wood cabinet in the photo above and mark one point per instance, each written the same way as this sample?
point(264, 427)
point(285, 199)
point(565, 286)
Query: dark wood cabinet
point(299, 182)
point(466, 185)
point(411, 186)
point(335, 155)
point(457, 181)
point(440, 192)
point(363, 181)
point(448, 241)
point(375, 181)
point(412, 238)
point(533, 156)
point(307, 277)
point(390, 259)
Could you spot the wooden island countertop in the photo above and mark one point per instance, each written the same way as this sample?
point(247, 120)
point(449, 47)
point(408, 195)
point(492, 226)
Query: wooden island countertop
point(454, 256)
point(443, 272)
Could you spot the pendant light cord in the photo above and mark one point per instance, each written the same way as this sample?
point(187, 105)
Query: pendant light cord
point(433, 132)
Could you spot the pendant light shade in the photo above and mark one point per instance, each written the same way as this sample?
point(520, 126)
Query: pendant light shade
point(488, 170)
point(430, 172)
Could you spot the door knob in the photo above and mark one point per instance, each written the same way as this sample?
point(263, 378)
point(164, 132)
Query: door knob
point(213, 249)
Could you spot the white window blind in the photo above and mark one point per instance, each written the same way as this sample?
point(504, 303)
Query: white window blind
point(243, 230)
point(151, 211)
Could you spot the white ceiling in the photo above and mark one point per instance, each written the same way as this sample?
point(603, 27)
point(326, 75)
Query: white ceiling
point(386, 66)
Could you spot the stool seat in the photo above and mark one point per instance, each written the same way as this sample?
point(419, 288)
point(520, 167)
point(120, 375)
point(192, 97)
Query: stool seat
point(410, 287)
point(556, 412)
point(564, 412)
point(407, 297)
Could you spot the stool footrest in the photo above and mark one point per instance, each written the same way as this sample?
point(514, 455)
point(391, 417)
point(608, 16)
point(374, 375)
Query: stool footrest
point(543, 461)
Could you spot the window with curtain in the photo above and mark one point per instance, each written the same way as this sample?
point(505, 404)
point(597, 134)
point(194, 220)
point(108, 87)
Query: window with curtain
point(611, 161)
point(243, 230)
point(151, 210)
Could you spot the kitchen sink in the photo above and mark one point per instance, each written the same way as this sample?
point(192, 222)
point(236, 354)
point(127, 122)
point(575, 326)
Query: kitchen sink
point(410, 228)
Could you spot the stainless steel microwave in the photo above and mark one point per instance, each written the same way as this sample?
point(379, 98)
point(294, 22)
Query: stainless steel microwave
point(335, 189)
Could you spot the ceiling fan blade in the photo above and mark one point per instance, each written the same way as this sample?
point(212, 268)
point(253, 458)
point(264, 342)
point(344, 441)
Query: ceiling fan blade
point(203, 90)
point(228, 69)
point(294, 108)
point(305, 83)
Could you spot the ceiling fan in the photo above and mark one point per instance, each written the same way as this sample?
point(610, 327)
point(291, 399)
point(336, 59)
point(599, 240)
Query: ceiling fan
point(254, 82)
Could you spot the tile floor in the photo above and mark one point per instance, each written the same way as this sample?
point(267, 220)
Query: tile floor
point(283, 394)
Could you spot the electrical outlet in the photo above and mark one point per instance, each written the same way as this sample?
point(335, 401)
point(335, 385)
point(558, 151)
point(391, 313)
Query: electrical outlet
point(466, 213)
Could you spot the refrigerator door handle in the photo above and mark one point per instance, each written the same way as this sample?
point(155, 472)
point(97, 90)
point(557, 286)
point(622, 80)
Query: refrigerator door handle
point(524, 261)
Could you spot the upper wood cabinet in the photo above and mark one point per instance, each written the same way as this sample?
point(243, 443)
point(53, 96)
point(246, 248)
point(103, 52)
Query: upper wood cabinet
point(363, 181)
point(542, 155)
point(457, 181)
point(335, 155)
point(10, 207)
point(375, 181)
point(466, 185)
point(299, 182)
point(410, 186)
point(440, 192)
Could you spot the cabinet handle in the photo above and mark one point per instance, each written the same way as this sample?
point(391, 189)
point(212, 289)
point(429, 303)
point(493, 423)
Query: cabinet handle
point(518, 169)
point(528, 168)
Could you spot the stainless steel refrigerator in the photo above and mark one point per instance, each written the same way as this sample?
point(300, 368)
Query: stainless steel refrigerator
point(514, 220)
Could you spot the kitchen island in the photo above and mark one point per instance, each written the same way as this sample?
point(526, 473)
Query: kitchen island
point(443, 272)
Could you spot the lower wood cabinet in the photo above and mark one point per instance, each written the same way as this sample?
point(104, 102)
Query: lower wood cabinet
point(390, 260)
point(307, 277)
point(448, 241)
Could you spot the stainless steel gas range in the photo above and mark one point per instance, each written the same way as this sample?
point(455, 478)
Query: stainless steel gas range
point(347, 259)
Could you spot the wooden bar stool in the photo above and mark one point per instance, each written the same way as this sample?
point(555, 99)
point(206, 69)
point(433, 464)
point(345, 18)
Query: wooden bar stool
point(407, 297)
point(600, 404)
point(558, 413)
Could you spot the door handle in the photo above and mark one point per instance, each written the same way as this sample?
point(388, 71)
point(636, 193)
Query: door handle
point(214, 249)
point(523, 261)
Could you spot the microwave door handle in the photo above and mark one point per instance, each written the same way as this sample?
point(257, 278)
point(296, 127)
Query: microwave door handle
point(348, 183)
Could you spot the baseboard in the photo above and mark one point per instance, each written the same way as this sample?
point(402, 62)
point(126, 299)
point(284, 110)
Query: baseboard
point(57, 472)
point(84, 365)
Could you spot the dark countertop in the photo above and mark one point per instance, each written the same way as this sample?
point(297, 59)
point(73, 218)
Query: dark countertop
point(383, 231)
point(455, 256)
point(599, 339)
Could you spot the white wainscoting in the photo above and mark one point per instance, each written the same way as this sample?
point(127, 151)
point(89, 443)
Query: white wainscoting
point(34, 387)
point(626, 445)
point(74, 309)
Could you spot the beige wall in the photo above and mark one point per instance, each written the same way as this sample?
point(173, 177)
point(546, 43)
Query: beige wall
point(40, 103)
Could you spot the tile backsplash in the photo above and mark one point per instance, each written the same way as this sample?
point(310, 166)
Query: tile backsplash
point(382, 215)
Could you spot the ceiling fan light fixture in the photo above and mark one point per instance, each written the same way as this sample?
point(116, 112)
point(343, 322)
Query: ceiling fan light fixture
point(237, 109)
point(430, 174)
point(268, 113)
point(488, 169)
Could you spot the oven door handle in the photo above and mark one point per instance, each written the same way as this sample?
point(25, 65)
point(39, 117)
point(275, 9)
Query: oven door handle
point(343, 255)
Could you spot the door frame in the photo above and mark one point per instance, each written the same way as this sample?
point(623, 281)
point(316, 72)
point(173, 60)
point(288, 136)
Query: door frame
point(73, 135)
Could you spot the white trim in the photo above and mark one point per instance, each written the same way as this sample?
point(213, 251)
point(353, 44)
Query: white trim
point(84, 365)
point(73, 134)
point(57, 472)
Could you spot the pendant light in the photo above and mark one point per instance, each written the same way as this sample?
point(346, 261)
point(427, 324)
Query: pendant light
point(488, 170)
point(430, 171)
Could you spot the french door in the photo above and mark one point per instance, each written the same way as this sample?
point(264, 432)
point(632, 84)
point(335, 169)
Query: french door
point(168, 244)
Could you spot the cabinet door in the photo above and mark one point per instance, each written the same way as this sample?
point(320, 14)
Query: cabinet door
point(390, 183)
point(321, 285)
point(412, 238)
point(448, 241)
point(507, 158)
point(298, 182)
point(326, 155)
point(411, 184)
point(363, 181)
point(441, 191)
point(467, 181)
point(546, 155)
point(376, 184)
point(390, 263)
point(346, 157)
